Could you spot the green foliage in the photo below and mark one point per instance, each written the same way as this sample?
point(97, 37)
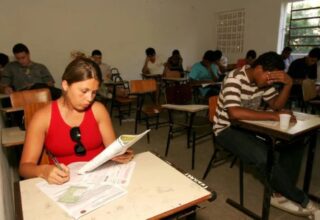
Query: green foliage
point(303, 26)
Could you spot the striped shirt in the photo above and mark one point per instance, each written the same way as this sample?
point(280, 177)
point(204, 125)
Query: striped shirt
point(238, 91)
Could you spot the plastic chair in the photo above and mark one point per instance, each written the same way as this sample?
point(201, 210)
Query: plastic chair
point(31, 101)
point(213, 103)
point(122, 98)
point(141, 88)
point(21, 98)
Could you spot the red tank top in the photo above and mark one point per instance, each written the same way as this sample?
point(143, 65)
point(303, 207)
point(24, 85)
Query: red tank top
point(60, 144)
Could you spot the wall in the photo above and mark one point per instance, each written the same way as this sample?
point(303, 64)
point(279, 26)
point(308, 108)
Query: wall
point(262, 20)
point(123, 29)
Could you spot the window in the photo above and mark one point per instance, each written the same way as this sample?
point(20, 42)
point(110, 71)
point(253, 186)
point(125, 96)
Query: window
point(230, 31)
point(302, 31)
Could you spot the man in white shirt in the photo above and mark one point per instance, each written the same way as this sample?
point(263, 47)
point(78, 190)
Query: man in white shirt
point(153, 64)
point(105, 68)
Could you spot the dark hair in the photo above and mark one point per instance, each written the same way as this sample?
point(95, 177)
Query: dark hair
point(252, 54)
point(287, 49)
point(82, 69)
point(269, 61)
point(19, 48)
point(176, 53)
point(96, 53)
point(315, 52)
point(4, 59)
point(150, 51)
point(209, 55)
point(218, 54)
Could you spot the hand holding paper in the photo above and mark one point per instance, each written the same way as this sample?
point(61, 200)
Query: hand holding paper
point(118, 147)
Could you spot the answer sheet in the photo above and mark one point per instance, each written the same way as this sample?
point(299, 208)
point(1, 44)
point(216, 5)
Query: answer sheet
point(85, 193)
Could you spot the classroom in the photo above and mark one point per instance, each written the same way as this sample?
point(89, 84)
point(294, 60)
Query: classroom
point(55, 31)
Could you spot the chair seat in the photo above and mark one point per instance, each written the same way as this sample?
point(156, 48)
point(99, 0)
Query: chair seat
point(151, 110)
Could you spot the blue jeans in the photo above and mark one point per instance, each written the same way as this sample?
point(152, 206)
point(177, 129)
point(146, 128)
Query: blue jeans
point(253, 151)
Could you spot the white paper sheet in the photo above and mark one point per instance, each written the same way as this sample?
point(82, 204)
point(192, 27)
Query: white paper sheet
point(118, 147)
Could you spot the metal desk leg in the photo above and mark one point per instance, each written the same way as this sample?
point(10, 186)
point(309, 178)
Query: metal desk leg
point(190, 127)
point(309, 165)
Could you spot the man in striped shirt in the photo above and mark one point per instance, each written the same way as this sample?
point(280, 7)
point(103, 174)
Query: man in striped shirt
point(240, 99)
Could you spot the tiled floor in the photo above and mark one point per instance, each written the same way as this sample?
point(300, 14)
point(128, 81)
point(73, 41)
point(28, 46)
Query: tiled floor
point(223, 179)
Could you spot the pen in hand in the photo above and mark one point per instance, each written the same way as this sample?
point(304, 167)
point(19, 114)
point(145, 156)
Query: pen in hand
point(54, 159)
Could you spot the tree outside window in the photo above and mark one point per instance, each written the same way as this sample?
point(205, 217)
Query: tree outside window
point(303, 26)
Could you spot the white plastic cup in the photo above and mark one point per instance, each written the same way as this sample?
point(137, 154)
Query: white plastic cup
point(284, 121)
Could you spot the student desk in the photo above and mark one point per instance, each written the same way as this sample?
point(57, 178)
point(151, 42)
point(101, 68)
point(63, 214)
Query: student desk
point(306, 125)
point(156, 190)
point(12, 136)
point(191, 110)
point(3, 96)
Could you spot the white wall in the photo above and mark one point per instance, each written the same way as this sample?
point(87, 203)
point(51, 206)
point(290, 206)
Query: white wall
point(122, 29)
point(262, 20)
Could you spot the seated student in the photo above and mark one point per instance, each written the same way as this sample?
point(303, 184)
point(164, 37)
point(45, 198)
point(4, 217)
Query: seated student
point(75, 109)
point(4, 60)
point(287, 58)
point(300, 69)
point(96, 56)
point(250, 58)
point(206, 70)
point(174, 63)
point(240, 98)
point(25, 74)
point(305, 67)
point(153, 64)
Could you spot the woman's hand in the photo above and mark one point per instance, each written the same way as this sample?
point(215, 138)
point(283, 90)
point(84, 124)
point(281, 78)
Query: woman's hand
point(124, 158)
point(54, 175)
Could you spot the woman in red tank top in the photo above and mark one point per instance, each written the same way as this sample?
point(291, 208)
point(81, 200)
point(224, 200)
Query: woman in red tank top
point(72, 128)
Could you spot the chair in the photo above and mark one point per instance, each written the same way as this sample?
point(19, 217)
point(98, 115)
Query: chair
point(172, 74)
point(213, 103)
point(141, 88)
point(114, 73)
point(21, 98)
point(31, 101)
point(179, 98)
point(310, 96)
point(122, 98)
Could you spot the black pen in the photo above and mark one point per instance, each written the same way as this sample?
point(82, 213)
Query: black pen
point(54, 159)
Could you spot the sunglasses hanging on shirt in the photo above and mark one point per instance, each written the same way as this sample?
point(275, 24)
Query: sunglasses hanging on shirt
point(79, 148)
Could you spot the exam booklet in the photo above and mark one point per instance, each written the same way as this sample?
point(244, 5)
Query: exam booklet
point(118, 147)
point(85, 193)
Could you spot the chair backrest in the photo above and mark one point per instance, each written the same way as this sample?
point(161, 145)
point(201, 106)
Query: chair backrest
point(30, 109)
point(213, 103)
point(114, 71)
point(308, 89)
point(21, 98)
point(179, 94)
point(172, 74)
point(31, 101)
point(143, 86)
